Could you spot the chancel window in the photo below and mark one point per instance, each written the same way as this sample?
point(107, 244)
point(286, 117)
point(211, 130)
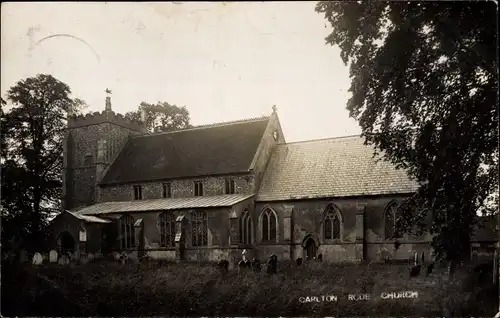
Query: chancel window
point(230, 186)
point(391, 229)
point(269, 223)
point(198, 188)
point(332, 223)
point(199, 228)
point(167, 229)
point(245, 228)
point(127, 235)
point(137, 192)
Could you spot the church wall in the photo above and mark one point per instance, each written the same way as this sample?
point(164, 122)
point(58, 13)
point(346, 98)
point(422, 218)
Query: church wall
point(307, 220)
point(180, 188)
point(218, 234)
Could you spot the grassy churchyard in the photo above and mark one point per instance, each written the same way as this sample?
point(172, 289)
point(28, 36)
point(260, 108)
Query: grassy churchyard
point(105, 288)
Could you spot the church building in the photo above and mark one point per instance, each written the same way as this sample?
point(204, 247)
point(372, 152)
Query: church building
point(209, 192)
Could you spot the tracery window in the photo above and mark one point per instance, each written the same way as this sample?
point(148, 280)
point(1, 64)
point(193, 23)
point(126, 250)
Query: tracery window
point(199, 228)
point(127, 235)
point(333, 224)
point(391, 229)
point(246, 228)
point(167, 229)
point(269, 223)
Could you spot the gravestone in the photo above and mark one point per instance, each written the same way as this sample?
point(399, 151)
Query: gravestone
point(123, 258)
point(37, 259)
point(299, 261)
point(415, 270)
point(91, 257)
point(241, 265)
point(116, 256)
point(64, 260)
point(223, 265)
point(53, 256)
point(256, 265)
point(84, 258)
point(272, 264)
point(320, 257)
point(430, 267)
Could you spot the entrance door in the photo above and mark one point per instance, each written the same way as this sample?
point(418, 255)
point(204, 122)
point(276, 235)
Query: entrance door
point(310, 248)
point(66, 243)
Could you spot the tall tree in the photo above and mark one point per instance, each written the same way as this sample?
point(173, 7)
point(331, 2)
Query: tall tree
point(162, 116)
point(424, 90)
point(32, 132)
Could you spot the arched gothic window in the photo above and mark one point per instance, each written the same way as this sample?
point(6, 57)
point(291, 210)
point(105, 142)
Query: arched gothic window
point(245, 228)
point(127, 235)
point(333, 224)
point(199, 228)
point(269, 222)
point(167, 229)
point(390, 222)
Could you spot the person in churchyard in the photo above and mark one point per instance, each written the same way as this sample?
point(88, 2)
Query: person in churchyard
point(299, 261)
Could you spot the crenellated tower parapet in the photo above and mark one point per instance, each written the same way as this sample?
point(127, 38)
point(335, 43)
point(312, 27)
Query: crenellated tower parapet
point(106, 116)
point(92, 142)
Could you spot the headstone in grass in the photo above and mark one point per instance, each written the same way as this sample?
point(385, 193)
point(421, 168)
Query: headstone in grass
point(272, 264)
point(223, 265)
point(123, 258)
point(320, 257)
point(116, 256)
point(37, 259)
point(242, 265)
point(415, 270)
point(430, 268)
point(90, 257)
point(53, 256)
point(299, 261)
point(256, 267)
point(84, 258)
point(63, 260)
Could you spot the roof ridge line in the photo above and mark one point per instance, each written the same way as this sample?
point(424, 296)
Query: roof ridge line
point(212, 125)
point(320, 139)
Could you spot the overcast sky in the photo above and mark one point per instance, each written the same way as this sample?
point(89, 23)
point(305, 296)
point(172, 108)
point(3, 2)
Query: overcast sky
point(224, 61)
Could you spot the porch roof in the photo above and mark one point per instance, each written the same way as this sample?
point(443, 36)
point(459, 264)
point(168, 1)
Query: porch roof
point(163, 204)
point(88, 218)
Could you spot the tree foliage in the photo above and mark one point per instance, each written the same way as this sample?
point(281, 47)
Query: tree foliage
point(424, 91)
point(32, 132)
point(162, 116)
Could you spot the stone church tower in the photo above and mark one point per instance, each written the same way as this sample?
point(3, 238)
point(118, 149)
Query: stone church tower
point(91, 143)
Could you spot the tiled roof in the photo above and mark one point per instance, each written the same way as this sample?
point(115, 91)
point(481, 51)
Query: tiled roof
point(227, 200)
point(205, 150)
point(337, 167)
